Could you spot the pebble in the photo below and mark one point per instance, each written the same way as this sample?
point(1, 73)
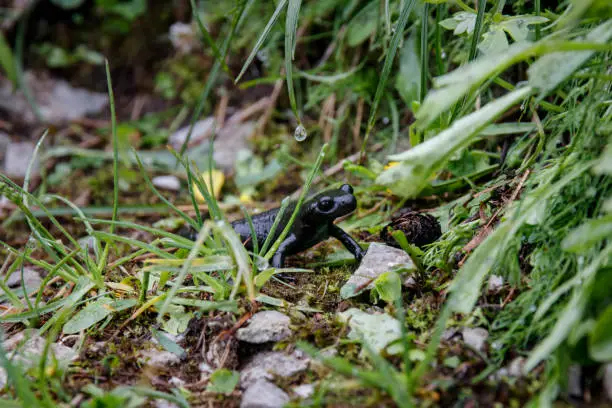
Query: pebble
point(263, 394)
point(304, 391)
point(264, 327)
point(159, 358)
point(495, 283)
point(17, 159)
point(378, 259)
point(267, 364)
point(31, 279)
point(475, 338)
point(171, 183)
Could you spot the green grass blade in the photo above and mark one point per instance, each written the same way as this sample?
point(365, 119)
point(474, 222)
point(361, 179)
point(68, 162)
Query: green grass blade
point(384, 76)
point(482, 4)
point(291, 25)
point(262, 37)
point(207, 37)
point(424, 51)
point(7, 61)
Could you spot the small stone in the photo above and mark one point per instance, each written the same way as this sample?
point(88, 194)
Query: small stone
point(304, 391)
point(263, 394)
point(495, 283)
point(17, 159)
point(182, 37)
point(378, 259)
point(607, 381)
point(162, 403)
point(265, 326)
point(449, 334)
point(176, 382)
point(159, 358)
point(267, 364)
point(171, 183)
point(31, 279)
point(202, 129)
point(475, 338)
point(515, 368)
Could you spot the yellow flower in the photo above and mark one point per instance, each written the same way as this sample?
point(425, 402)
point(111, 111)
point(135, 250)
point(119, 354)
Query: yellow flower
point(218, 178)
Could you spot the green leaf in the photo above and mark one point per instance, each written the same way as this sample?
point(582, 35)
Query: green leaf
point(94, 312)
point(223, 381)
point(518, 26)
point(494, 42)
point(375, 330)
point(388, 286)
point(420, 163)
point(600, 340)
point(362, 25)
point(552, 69)
point(408, 82)
point(7, 61)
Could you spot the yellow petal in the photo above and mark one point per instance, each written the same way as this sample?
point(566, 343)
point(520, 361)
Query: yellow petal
point(391, 164)
point(218, 178)
point(245, 198)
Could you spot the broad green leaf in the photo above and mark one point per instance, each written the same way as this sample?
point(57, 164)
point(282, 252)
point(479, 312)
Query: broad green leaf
point(388, 287)
point(408, 82)
point(552, 69)
point(461, 22)
point(223, 381)
point(600, 340)
point(362, 25)
point(167, 343)
point(518, 26)
point(178, 321)
point(494, 41)
point(419, 164)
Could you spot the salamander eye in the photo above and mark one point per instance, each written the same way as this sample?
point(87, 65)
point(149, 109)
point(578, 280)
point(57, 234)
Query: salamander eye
point(325, 204)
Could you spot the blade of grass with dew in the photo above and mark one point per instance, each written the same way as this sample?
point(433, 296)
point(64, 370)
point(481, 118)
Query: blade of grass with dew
point(241, 258)
point(419, 164)
point(291, 25)
point(131, 241)
point(202, 235)
point(207, 37)
point(279, 217)
point(298, 205)
point(181, 214)
point(262, 37)
point(212, 76)
point(145, 228)
point(384, 76)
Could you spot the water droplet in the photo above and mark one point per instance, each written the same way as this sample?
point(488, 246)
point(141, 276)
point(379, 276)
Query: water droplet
point(443, 55)
point(300, 133)
point(261, 263)
point(385, 120)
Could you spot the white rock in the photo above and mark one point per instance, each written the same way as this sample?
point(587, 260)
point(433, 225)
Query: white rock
point(56, 99)
point(17, 159)
point(495, 283)
point(304, 391)
point(182, 37)
point(379, 259)
point(171, 183)
point(515, 368)
point(263, 394)
point(475, 338)
point(607, 381)
point(159, 358)
point(267, 364)
point(265, 326)
point(162, 403)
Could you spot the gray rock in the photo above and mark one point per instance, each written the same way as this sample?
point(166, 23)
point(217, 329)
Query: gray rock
point(515, 368)
point(495, 283)
point(159, 358)
point(31, 279)
point(265, 326)
point(17, 159)
point(56, 99)
point(27, 346)
point(475, 338)
point(162, 403)
point(379, 259)
point(268, 364)
point(229, 140)
point(263, 394)
point(304, 391)
point(171, 183)
point(607, 381)
point(202, 129)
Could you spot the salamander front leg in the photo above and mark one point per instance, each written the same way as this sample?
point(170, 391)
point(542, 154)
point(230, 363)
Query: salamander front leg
point(347, 241)
point(278, 259)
